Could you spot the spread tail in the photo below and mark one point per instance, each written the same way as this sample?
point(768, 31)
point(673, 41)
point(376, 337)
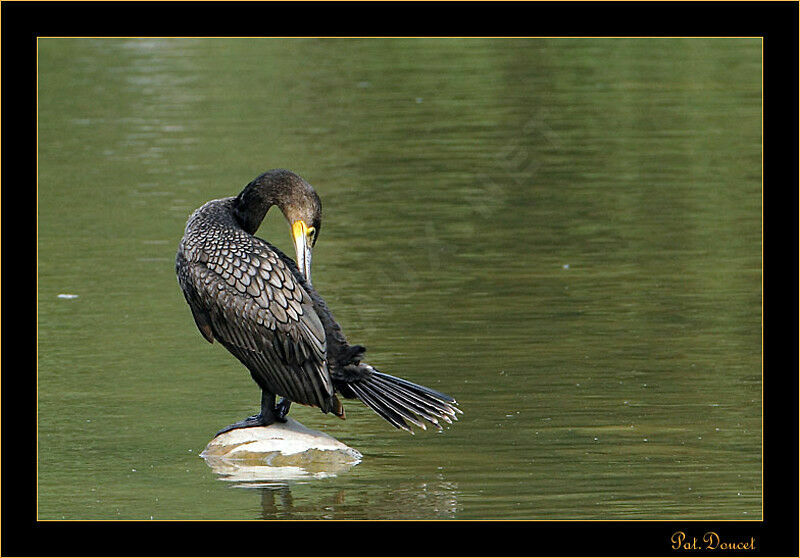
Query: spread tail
point(395, 399)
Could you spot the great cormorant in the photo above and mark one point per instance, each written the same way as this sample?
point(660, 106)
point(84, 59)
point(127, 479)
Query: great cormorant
point(252, 298)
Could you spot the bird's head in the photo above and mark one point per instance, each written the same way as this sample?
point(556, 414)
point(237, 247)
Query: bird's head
point(296, 199)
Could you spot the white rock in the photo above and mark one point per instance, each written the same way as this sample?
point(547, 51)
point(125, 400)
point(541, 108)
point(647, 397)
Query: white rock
point(278, 452)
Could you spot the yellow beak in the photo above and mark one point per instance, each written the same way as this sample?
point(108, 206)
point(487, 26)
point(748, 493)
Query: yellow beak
point(302, 248)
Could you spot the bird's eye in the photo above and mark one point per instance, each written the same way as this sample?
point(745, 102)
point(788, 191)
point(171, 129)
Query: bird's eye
point(312, 235)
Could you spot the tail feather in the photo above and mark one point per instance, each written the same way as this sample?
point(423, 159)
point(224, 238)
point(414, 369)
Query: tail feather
point(416, 387)
point(404, 397)
point(426, 402)
point(397, 400)
point(387, 401)
point(382, 410)
point(391, 400)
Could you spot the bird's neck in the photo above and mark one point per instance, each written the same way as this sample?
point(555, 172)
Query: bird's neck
point(250, 207)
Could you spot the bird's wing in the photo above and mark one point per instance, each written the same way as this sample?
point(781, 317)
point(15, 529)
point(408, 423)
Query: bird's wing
point(245, 296)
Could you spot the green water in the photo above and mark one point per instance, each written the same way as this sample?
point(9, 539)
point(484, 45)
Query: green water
point(563, 234)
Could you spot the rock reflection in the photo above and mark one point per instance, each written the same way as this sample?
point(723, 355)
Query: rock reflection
point(277, 469)
point(436, 499)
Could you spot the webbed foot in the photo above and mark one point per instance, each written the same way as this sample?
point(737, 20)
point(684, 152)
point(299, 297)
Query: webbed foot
point(255, 420)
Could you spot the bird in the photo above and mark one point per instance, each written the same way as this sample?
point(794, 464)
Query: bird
point(260, 305)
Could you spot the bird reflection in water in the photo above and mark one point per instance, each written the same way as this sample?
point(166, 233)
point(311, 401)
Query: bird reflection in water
point(435, 499)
